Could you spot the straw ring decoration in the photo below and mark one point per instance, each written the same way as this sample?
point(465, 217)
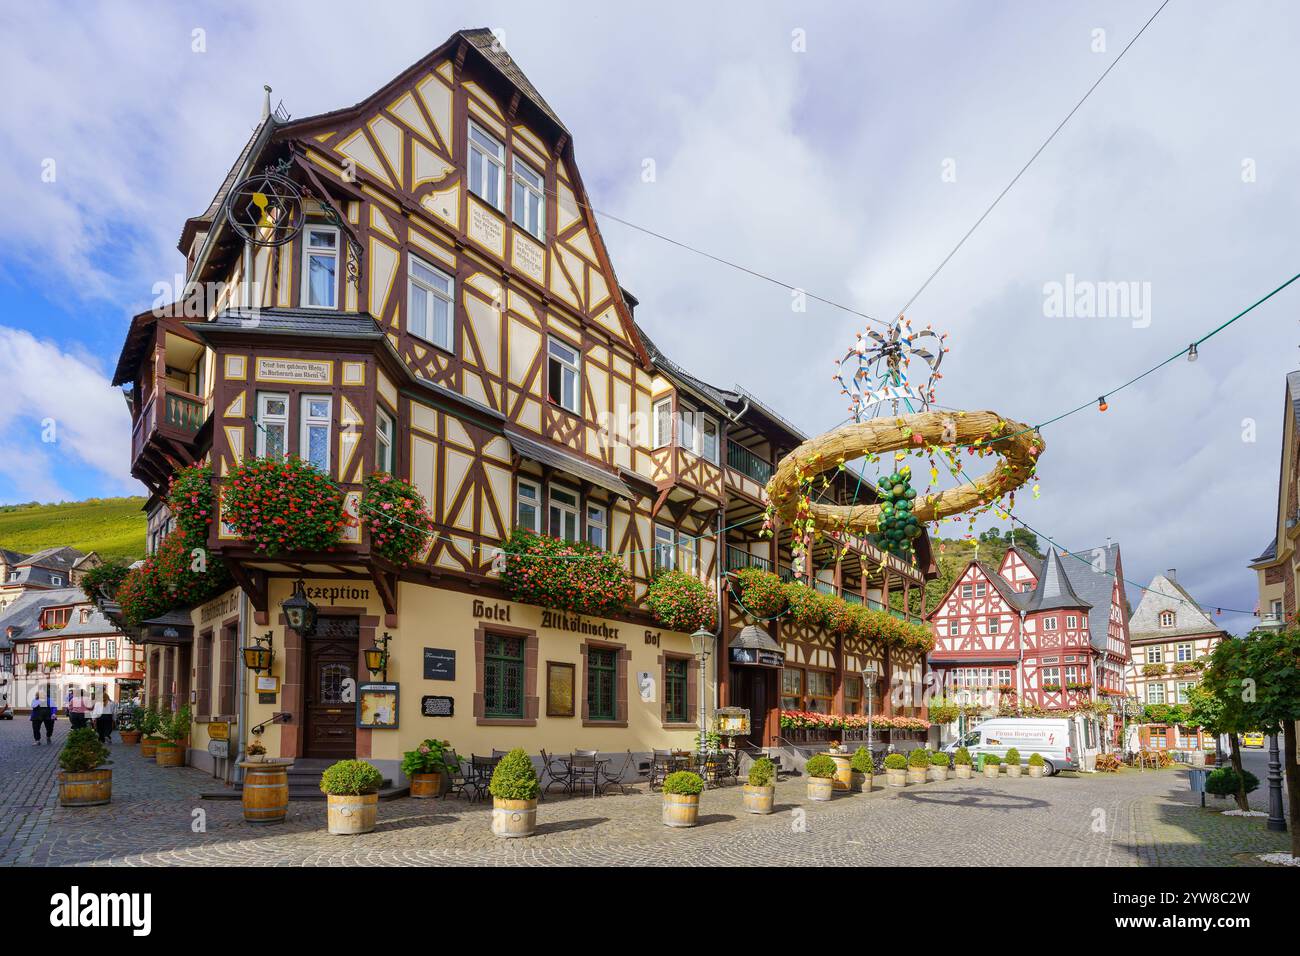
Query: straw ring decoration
point(1017, 445)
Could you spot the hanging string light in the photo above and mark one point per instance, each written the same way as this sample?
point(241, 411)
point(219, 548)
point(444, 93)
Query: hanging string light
point(1191, 352)
point(1101, 404)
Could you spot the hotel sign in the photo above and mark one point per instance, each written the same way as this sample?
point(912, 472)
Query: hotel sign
point(294, 371)
point(757, 655)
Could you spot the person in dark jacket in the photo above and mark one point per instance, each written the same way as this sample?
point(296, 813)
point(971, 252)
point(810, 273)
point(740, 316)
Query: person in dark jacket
point(42, 715)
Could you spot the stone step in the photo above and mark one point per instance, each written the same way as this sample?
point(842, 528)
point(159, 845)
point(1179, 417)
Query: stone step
point(312, 793)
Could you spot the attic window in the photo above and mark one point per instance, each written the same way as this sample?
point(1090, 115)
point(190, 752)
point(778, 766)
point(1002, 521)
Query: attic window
point(529, 203)
point(320, 267)
point(1166, 618)
point(487, 167)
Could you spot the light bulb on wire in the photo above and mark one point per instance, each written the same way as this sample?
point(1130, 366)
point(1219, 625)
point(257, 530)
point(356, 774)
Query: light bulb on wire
point(1191, 352)
point(1101, 404)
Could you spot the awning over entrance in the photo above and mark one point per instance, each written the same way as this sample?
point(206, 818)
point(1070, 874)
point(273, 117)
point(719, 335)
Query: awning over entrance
point(563, 461)
point(753, 645)
point(173, 629)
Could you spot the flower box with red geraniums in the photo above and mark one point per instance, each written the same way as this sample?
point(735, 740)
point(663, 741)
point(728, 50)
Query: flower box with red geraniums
point(282, 505)
point(682, 602)
point(178, 574)
point(564, 575)
point(396, 514)
point(192, 502)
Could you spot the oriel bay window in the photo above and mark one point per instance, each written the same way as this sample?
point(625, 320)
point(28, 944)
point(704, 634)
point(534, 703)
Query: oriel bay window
point(605, 681)
point(598, 526)
point(272, 425)
point(383, 441)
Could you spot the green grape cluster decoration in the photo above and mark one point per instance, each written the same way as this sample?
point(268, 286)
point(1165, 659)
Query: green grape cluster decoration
point(898, 525)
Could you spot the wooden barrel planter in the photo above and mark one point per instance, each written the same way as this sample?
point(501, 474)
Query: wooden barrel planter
point(266, 791)
point(425, 786)
point(351, 815)
point(89, 788)
point(129, 737)
point(681, 809)
point(821, 788)
point(759, 799)
point(514, 818)
point(170, 753)
point(148, 747)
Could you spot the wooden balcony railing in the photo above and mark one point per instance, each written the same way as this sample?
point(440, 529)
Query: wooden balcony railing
point(184, 412)
point(743, 460)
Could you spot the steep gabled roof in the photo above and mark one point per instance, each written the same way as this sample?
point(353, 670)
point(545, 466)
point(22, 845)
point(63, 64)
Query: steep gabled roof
point(1033, 562)
point(1166, 594)
point(1054, 590)
point(1096, 585)
point(1009, 594)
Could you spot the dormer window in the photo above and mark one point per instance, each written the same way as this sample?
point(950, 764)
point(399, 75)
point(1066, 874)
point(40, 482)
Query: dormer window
point(529, 202)
point(320, 267)
point(1166, 618)
point(487, 167)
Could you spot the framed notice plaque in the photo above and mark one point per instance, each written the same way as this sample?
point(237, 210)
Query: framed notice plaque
point(377, 706)
point(559, 689)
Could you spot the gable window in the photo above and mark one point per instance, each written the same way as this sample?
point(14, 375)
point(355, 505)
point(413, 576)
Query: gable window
point(1026, 587)
point(383, 441)
point(503, 677)
point(954, 629)
point(663, 422)
point(487, 167)
point(665, 553)
point(320, 267)
point(995, 625)
point(528, 505)
point(598, 526)
point(314, 434)
point(564, 514)
point(563, 375)
point(272, 425)
point(430, 293)
point(529, 203)
point(967, 590)
point(709, 440)
point(981, 590)
point(1166, 618)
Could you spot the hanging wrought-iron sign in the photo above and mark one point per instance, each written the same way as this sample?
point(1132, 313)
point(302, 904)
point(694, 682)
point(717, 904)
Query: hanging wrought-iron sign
point(266, 209)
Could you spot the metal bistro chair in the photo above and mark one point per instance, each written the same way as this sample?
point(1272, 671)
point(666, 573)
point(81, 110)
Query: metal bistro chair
point(555, 767)
point(615, 778)
point(480, 775)
point(458, 779)
point(584, 770)
point(662, 763)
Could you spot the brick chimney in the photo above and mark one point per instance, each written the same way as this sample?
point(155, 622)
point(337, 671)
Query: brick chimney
point(1172, 574)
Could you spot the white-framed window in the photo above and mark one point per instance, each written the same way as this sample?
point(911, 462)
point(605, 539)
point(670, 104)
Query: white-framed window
point(1049, 623)
point(564, 514)
point(1004, 675)
point(686, 429)
point(1071, 621)
point(383, 441)
point(1072, 674)
point(1052, 675)
point(981, 590)
point(564, 373)
point(528, 505)
point(56, 650)
point(94, 650)
point(967, 590)
point(111, 648)
point(487, 167)
point(1156, 693)
point(430, 294)
point(78, 651)
point(665, 547)
point(528, 206)
point(598, 526)
point(1155, 655)
point(314, 431)
point(710, 441)
point(320, 267)
point(1167, 618)
point(954, 628)
point(688, 554)
point(995, 625)
point(56, 580)
point(1183, 652)
point(663, 413)
point(1183, 687)
point(272, 425)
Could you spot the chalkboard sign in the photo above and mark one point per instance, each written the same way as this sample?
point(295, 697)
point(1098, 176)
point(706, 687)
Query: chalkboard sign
point(438, 706)
point(439, 663)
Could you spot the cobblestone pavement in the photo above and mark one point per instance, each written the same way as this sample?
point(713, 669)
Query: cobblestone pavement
point(156, 819)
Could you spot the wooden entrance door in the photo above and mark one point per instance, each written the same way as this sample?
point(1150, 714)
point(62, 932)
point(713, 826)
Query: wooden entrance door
point(755, 690)
point(330, 721)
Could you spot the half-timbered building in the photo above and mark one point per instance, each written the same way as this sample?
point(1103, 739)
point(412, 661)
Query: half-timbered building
point(449, 313)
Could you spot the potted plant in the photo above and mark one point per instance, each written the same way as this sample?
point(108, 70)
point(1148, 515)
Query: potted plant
point(425, 766)
point(351, 789)
point(961, 763)
point(760, 790)
point(938, 765)
point(918, 765)
point(821, 777)
point(1013, 762)
point(991, 765)
point(174, 733)
point(895, 770)
point(151, 721)
point(682, 798)
point(128, 723)
point(255, 752)
point(84, 781)
point(514, 792)
point(862, 768)
point(1036, 764)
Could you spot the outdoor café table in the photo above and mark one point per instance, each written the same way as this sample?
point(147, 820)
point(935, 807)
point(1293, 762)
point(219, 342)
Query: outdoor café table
point(597, 766)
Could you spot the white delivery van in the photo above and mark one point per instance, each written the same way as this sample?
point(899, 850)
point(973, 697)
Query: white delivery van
point(1057, 739)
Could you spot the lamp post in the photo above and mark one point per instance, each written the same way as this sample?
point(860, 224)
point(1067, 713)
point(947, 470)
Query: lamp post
point(1276, 821)
point(700, 642)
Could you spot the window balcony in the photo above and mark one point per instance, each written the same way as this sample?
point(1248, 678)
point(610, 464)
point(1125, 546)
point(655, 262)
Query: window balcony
point(741, 459)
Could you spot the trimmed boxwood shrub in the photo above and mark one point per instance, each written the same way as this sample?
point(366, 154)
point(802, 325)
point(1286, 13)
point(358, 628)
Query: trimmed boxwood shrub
point(82, 751)
point(895, 762)
point(514, 777)
point(1223, 782)
point(862, 762)
point(682, 602)
point(684, 783)
point(820, 765)
point(1013, 757)
point(962, 756)
point(920, 757)
point(283, 504)
point(565, 575)
point(1035, 759)
point(397, 516)
point(351, 778)
point(762, 772)
point(992, 759)
point(938, 759)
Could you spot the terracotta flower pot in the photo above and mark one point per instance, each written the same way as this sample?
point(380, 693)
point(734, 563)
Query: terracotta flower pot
point(681, 809)
point(895, 778)
point(963, 771)
point(129, 737)
point(514, 818)
point(87, 788)
point(349, 814)
point(170, 753)
point(426, 785)
point(759, 799)
point(821, 788)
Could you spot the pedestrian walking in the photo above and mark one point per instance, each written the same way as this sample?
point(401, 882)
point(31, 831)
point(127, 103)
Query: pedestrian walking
point(42, 716)
point(104, 713)
point(78, 708)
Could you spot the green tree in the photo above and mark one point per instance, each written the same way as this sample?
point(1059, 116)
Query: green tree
point(1225, 681)
point(1272, 678)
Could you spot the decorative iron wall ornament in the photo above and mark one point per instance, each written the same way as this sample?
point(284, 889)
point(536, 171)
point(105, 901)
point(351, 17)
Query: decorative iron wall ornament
point(266, 209)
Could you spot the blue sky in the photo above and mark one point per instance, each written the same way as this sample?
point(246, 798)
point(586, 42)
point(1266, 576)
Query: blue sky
point(810, 143)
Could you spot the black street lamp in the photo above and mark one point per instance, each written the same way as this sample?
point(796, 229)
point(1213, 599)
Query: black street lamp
point(1276, 821)
point(299, 612)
